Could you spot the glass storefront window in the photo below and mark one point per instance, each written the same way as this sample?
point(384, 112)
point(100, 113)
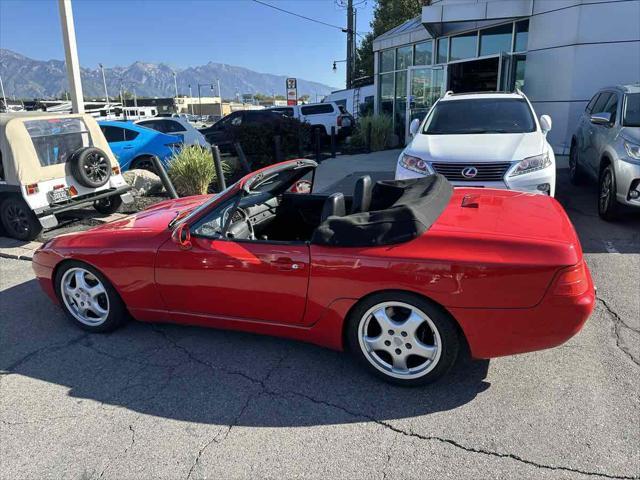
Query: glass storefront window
point(519, 73)
point(387, 60)
point(423, 54)
point(522, 36)
point(386, 93)
point(443, 50)
point(404, 57)
point(401, 103)
point(496, 40)
point(464, 46)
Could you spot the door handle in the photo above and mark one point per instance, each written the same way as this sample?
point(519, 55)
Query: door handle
point(286, 263)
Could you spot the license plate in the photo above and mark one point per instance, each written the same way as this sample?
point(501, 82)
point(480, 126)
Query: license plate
point(60, 195)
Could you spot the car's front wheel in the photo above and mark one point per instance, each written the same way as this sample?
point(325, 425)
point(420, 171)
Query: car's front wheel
point(88, 298)
point(403, 338)
point(108, 205)
point(607, 202)
point(18, 220)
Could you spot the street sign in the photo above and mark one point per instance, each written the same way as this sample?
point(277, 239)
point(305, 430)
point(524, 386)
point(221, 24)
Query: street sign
point(292, 91)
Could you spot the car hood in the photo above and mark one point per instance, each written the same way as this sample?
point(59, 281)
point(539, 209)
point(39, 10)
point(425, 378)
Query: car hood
point(631, 134)
point(156, 217)
point(487, 147)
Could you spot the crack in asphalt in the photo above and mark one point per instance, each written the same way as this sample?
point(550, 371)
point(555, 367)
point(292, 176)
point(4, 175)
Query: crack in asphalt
point(48, 348)
point(284, 393)
point(618, 323)
point(131, 443)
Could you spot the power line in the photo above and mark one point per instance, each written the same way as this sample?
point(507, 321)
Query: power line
point(299, 16)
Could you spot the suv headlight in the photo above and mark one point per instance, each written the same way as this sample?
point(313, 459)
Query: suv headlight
point(531, 164)
point(415, 164)
point(632, 150)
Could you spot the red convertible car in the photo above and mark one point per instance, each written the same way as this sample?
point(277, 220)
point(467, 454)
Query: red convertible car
point(402, 273)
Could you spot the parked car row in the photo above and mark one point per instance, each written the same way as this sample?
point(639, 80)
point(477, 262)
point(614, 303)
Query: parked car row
point(495, 140)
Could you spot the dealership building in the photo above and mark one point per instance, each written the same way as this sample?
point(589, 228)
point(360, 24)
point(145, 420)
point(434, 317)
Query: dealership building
point(558, 52)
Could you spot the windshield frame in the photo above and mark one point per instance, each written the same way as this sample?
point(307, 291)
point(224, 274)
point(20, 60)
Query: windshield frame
point(532, 117)
point(624, 110)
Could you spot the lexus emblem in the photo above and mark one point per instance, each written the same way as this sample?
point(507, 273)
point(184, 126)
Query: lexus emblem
point(469, 172)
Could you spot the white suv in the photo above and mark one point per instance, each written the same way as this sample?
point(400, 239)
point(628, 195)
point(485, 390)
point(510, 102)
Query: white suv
point(322, 116)
point(482, 140)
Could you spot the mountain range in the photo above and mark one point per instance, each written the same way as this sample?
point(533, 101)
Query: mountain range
point(27, 78)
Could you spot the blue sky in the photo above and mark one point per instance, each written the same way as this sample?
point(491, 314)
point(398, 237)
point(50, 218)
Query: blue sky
point(189, 32)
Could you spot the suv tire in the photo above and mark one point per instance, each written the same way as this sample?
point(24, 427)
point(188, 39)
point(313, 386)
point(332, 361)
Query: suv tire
point(576, 175)
point(608, 205)
point(18, 220)
point(108, 205)
point(91, 167)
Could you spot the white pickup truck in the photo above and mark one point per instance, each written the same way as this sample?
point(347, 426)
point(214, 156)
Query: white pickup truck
point(322, 116)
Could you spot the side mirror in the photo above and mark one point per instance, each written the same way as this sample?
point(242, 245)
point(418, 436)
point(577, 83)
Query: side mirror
point(603, 118)
point(181, 236)
point(545, 123)
point(414, 126)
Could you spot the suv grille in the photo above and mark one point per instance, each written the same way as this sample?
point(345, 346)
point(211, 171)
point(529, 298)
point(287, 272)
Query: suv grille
point(485, 172)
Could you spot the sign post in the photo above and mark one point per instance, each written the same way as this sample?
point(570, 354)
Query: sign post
point(292, 91)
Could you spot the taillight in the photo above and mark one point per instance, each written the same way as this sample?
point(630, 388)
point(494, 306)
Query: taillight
point(572, 281)
point(33, 188)
point(73, 191)
point(115, 170)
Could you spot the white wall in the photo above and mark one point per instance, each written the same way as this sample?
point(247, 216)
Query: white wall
point(575, 50)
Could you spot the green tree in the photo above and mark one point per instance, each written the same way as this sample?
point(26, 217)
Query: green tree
point(387, 15)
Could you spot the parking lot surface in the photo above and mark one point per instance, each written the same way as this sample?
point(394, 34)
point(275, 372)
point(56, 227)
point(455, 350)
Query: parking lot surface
point(162, 401)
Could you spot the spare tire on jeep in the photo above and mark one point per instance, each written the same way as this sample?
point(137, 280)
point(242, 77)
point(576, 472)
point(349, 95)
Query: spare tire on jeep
point(91, 167)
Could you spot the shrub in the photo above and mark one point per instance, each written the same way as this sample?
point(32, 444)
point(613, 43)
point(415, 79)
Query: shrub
point(258, 144)
point(381, 132)
point(191, 170)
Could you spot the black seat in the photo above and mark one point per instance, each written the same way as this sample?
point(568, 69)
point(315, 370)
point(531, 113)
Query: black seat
point(362, 195)
point(333, 206)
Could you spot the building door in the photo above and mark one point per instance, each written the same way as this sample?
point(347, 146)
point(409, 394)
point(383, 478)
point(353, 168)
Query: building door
point(511, 71)
point(425, 85)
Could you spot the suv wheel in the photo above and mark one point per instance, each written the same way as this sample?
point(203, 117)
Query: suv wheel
point(18, 219)
point(576, 175)
point(108, 205)
point(91, 167)
point(607, 203)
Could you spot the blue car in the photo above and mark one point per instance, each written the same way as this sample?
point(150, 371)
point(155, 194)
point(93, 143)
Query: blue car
point(135, 146)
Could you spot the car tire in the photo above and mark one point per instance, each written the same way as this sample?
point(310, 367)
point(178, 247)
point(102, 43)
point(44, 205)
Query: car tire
point(576, 174)
point(608, 206)
point(402, 338)
point(108, 205)
point(18, 220)
point(143, 163)
point(91, 303)
point(91, 167)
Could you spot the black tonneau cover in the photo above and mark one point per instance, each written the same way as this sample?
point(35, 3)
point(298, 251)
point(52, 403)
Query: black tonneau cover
point(401, 210)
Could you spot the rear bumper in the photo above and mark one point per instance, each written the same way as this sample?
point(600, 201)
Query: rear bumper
point(84, 200)
point(499, 332)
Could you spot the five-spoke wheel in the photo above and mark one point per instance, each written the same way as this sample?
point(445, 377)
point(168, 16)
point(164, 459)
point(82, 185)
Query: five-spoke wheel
point(88, 298)
point(403, 338)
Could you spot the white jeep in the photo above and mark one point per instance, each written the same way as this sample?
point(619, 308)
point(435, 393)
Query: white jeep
point(52, 163)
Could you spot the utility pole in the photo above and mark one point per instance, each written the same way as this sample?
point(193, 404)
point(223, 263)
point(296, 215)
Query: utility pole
point(350, 43)
point(4, 98)
point(106, 94)
point(190, 100)
point(71, 55)
point(175, 82)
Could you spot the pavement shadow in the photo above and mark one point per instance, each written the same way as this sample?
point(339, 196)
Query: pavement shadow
point(210, 376)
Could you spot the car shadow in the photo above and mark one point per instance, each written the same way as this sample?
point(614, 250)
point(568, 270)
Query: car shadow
point(210, 376)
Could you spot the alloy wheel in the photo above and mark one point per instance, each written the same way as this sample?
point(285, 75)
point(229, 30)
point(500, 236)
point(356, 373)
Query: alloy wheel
point(400, 340)
point(96, 168)
point(605, 190)
point(84, 296)
point(18, 219)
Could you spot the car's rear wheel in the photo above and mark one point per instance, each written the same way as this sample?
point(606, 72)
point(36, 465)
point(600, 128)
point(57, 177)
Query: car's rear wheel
point(88, 298)
point(143, 163)
point(607, 202)
point(403, 338)
point(18, 220)
point(108, 205)
point(576, 175)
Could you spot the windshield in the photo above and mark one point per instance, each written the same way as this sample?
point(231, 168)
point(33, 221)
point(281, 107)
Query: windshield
point(487, 115)
point(631, 114)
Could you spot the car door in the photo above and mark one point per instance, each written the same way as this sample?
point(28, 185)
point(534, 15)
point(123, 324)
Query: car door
point(222, 278)
point(591, 159)
point(121, 142)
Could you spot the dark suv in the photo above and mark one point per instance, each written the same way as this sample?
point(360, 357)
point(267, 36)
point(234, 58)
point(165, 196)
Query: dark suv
point(220, 132)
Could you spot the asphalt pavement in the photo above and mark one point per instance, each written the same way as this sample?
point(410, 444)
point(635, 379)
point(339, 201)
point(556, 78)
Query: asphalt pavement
point(163, 401)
